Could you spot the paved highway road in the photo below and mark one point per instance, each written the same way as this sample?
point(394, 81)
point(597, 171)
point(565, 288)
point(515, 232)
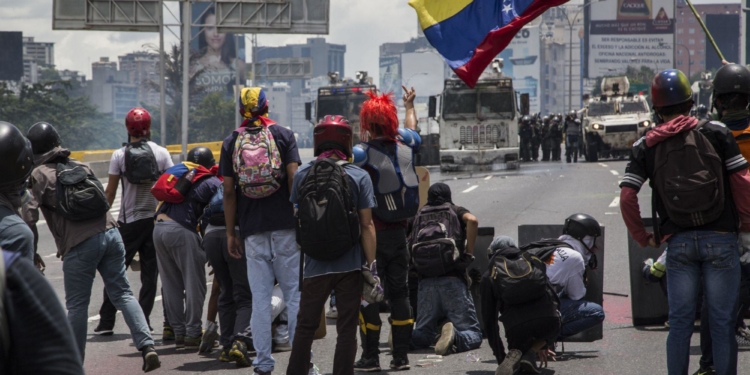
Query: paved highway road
point(540, 193)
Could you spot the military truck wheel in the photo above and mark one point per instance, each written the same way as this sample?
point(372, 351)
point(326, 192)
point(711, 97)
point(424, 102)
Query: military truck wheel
point(592, 154)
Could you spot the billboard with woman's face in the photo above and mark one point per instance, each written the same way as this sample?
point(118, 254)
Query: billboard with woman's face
point(217, 58)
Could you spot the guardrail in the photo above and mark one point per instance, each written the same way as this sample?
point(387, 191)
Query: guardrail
point(105, 155)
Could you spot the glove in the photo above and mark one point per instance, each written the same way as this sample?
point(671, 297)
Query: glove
point(372, 291)
point(745, 248)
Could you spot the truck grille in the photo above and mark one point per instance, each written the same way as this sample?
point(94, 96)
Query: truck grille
point(620, 128)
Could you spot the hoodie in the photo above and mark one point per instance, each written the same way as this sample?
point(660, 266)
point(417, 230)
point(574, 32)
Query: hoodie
point(641, 166)
point(67, 233)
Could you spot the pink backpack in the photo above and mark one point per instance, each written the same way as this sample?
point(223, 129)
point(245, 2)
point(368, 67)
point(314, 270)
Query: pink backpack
point(257, 162)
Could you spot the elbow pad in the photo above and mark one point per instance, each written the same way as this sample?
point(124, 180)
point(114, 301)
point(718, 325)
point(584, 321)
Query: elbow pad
point(409, 137)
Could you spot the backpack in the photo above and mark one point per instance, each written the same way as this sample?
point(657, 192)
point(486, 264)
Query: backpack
point(689, 178)
point(396, 182)
point(257, 162)
point(520, 279)
point(177, 181)
point(140, 163)
point(434, 234)
point(327, 219)
point(213, 213)
point(80, 195)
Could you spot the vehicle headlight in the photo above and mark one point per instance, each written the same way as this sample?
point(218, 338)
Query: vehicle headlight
point(646, 124)
point(598, 126)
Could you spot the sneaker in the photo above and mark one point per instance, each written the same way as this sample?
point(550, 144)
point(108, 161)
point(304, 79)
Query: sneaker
point(313, 370)
point(224, 355)
point(511, 363)
point(283, 347)
point(528, 363)
point(705, 371)
point(444, 345)
point(239, 355)
point(332, 313)
point(103, 330)
point(209, 337)
point(167, 334)
point(400, 363)
point(192, 343)
point(367, 365)
point(743, 337)
point(150, 359)
point(179, 342)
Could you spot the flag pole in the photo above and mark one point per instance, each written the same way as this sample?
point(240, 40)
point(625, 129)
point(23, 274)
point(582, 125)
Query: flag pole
point(705, 30)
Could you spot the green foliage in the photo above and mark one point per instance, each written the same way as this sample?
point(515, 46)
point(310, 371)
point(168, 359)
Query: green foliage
point(80, 124)
point(212, 119)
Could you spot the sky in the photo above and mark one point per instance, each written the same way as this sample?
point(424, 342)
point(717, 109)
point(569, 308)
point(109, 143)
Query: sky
point(362, 25)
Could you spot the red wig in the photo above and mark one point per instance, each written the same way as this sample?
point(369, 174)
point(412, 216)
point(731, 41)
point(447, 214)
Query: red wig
point(378, 116)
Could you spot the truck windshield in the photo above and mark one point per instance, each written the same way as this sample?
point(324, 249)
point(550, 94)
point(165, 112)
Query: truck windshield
point(601, 109)
point(354, 105)
point(496, 103)
point(460, 103)
point(331, 105)
point(633, 107)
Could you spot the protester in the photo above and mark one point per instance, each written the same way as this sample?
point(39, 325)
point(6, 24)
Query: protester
point(16, 152)
point(87, 241)
point(178, 245)
point(388, 156)
point(444, 296)
point(135, 167)
point(332, 262)
point(258, 162)
point(690, 223)
point(530, 326)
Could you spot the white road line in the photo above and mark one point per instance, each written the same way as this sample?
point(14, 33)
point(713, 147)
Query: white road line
point(603, 165)
point(470, 189)
point(614, 172)
point(611, 213)
point(488, 177)
point(158, 298)
point(50, 256)
point(615, 202)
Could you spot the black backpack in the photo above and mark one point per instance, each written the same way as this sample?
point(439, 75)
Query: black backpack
point(434, 234)
point(140, 163)
point(523, 278)
point(327, 219)
point(80, 195)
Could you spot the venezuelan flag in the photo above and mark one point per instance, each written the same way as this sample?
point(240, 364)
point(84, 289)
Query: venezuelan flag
point(469, 34)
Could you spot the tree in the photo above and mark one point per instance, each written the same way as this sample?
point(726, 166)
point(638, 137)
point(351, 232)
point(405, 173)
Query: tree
point(212, 119)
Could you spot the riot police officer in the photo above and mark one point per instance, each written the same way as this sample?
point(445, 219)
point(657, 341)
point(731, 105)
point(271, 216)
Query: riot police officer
point(701, 113)
point(536, 139)
point(572, 130)
point(555, 135)
point(526, 133)
point(545, 138)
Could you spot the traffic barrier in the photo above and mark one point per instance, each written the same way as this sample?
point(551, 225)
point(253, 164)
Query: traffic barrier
point(485, 235)
point(647, 301)
point(595, 287)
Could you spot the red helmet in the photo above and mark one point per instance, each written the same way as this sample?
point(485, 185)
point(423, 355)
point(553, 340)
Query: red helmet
point(333, 132)
point(138, 122)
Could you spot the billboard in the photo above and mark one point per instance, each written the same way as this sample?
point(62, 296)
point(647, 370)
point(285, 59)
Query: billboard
point(390, 75)
point(216, 57)
point(632, 33)
point(11, 57)
point(522, 63)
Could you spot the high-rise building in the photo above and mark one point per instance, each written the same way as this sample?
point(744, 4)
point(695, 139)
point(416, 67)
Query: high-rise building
point(111, 90)
point(692, 49)
point(36, 55)
point(143, 70)
point(560, 51)
point(280, 103)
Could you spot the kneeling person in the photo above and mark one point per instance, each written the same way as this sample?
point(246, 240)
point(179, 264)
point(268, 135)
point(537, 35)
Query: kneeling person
point(335, 201)
point(444, 228)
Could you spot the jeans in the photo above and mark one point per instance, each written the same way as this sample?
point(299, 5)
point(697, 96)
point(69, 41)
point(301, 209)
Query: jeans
point(714, 258)
point(271, 256)
point(235, 300)
point(578, 316)
point(446, 297)
point(104, 252)
point(348, 287)
point(138, 238)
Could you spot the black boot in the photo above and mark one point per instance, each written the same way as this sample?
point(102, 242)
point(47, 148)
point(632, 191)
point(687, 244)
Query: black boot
point(401, 339)
point(370, 361)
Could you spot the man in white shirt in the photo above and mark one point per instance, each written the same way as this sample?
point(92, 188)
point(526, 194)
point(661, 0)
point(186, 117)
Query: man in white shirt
point(137, 207)
point(567, 274)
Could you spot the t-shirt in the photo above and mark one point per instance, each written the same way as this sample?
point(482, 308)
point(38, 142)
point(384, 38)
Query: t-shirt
point(137, 201)
point(641, 167)
point(15, 234)
point(188, 211)
point(364, 197)
point(566, 273)
point(274, 212)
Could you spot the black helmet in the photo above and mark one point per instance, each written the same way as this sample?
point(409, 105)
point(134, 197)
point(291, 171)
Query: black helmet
point(732, 78)
point(572, 114)
point(701, 110)
point(526, 119)
point(545, 120)
point(43, 137)
point(579, 226)
point(16, 155)
point(202, 156)
point(670, 87)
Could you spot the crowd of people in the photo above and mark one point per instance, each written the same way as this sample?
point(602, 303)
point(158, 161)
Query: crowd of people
point(282, 238)
point(548, 132)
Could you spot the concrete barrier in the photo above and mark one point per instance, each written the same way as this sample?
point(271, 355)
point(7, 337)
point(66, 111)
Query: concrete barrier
point(595, 288)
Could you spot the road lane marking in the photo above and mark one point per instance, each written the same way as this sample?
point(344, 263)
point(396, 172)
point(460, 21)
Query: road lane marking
point(603, 165)
point(614, 172)
point(488, 177)
point(50, 256)
point(470, 189)
point(611, 213)
point(615, 202)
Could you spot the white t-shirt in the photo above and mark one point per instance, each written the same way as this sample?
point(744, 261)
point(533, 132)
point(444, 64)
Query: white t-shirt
point(137, 202)
point(566, 273)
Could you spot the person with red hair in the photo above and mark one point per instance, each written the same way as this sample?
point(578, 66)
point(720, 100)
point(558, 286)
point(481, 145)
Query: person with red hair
point(387, 154)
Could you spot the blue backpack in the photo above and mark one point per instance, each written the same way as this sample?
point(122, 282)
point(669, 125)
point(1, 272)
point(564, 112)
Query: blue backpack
point(214, 212)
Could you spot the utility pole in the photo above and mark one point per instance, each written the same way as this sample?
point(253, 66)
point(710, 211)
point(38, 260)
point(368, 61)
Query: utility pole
point(186, 21)
point(162, 106)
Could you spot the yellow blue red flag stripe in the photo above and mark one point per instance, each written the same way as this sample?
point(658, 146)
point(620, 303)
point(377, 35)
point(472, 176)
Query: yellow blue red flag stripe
point(469, 34)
